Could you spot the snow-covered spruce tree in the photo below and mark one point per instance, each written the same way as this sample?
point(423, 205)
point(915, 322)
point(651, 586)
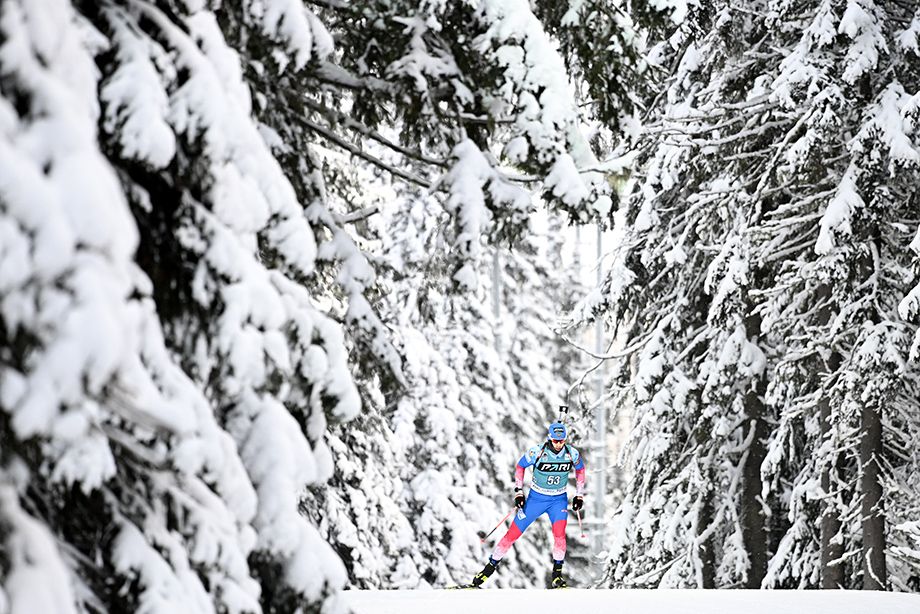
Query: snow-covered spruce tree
point(837, 239)
point(253, 338)
point(158, 420)
point(754, 254)
point(676, 292)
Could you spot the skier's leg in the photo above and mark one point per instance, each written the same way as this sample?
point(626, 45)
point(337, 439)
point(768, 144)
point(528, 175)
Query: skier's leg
point(504, 544)
point(533, 507)
point(558, 515)
point(559, 540)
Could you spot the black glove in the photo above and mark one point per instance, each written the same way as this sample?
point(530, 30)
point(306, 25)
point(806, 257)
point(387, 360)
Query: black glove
point(577, 503)
point(519, 498)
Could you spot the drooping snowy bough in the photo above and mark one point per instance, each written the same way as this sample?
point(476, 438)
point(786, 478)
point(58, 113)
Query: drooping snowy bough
point(167, 378)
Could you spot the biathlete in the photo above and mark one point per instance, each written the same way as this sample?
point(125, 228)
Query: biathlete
point(551, 463)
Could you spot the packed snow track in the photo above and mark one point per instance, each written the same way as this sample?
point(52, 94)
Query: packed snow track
point(488, 601)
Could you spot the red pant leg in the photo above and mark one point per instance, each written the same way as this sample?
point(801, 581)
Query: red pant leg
point(559, 540)
point(505, 542)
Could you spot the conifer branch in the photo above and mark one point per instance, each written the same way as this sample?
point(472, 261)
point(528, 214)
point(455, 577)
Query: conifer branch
point(333, 74)
point(354, 216)
point(360, 153)
point(353, 124)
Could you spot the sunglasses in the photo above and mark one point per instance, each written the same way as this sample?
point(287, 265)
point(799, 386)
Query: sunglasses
point(558, 442)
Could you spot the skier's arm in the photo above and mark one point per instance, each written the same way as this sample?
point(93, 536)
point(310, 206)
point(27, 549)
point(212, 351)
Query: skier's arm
point(518, 477)
point(580, 477)
point(519, 482)
point(528, 459)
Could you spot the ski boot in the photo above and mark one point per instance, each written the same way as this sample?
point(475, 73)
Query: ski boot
point(487, 571)
point(557, 581)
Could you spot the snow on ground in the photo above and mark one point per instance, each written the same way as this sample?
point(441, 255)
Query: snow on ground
point(631, 602)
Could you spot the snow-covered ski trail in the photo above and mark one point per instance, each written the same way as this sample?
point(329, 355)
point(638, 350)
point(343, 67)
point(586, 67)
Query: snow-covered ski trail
point(630, 601)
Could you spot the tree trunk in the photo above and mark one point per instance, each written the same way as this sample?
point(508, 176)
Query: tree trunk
point(831, 549)
point(875, 572)
point(706, 578)
point(753, 530)
point(832, 571)
point(874, 567)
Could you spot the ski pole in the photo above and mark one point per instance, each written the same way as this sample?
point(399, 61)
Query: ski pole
point(578, 515)
point(500, 522)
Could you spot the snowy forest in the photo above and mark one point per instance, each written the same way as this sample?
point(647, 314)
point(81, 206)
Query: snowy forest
point(287, 287)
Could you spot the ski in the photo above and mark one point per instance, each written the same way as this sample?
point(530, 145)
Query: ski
point(461, 587)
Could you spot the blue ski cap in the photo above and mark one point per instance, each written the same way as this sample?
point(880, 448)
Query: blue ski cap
point(557, 431)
